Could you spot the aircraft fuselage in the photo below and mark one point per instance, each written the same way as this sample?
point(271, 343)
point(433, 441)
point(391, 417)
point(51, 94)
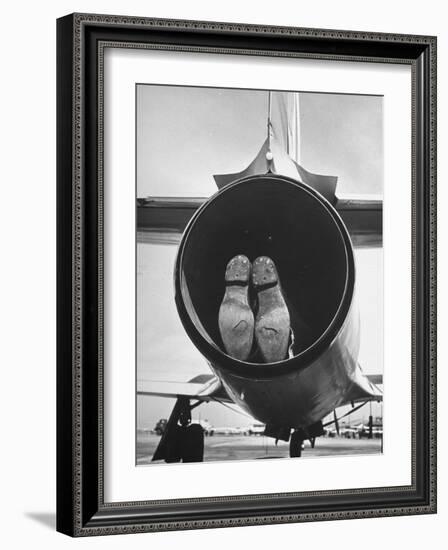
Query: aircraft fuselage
point(304, 396)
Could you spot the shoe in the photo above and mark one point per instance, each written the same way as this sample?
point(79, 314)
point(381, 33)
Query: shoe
point(236, 320)
point(272, 323)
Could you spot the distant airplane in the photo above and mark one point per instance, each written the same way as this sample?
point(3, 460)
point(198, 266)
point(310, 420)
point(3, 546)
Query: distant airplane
point(276, 208)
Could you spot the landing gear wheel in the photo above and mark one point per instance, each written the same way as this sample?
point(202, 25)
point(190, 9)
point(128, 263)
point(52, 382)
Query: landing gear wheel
point(193, 443)
point(173, 452)
point(295, 445)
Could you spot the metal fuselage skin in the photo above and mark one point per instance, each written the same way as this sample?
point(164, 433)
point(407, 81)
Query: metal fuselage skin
point(301, 397)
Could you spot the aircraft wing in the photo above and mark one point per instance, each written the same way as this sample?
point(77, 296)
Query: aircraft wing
point(365, 387)
point(205, 387)
point(376, 379)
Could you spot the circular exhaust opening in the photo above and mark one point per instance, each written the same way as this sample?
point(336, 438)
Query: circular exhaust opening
point(292, 224)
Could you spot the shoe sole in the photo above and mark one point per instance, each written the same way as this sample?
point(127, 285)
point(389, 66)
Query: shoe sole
point(272, 323)
point(236, 320)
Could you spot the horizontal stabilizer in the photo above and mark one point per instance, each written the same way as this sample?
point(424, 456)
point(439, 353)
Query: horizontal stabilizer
point(162, 220)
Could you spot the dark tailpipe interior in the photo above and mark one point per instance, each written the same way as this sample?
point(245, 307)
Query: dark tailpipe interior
point(266, 216)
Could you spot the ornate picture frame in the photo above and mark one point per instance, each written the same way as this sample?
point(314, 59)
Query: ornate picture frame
point(81, 506)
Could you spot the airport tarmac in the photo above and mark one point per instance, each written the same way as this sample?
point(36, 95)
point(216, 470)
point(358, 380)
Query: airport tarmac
point(240, 447)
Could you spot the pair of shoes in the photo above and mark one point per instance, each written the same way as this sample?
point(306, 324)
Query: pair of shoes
point(237, 324)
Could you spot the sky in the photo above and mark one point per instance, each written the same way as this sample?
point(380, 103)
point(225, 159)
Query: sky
point(184, 136)
point(187, 134)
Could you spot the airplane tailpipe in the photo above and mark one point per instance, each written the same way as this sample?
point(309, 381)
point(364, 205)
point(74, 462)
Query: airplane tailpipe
point(275, 216)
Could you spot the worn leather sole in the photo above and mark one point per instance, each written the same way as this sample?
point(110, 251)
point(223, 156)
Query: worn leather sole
point(272, 323)
point(236, 320)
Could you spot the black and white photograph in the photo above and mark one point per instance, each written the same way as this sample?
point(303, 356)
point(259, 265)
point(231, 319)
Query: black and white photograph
point(222, 236)
point(259, 274)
